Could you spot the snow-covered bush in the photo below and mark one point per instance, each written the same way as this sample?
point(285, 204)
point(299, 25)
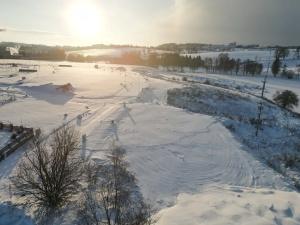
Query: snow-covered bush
point(286, 99)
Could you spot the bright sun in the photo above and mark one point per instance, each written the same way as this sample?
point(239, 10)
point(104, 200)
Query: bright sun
point(84, 19)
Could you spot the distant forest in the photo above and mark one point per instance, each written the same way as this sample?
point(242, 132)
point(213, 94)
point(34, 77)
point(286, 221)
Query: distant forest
point(176, 62)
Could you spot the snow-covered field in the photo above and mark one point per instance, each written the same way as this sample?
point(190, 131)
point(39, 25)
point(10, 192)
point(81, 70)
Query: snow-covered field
point(181, 159)
point(265, 57)
point(245, 84)
point(113, 52)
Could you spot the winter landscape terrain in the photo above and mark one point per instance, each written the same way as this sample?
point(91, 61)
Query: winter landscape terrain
point(190, 142)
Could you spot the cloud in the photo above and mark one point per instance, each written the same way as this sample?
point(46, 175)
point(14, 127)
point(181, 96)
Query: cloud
point(255, 21)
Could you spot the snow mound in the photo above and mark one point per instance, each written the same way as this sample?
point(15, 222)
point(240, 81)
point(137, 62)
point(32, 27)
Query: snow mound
point(66, 88)
point(10, 215)
point(147, 96)
point(238, 206)
point(55, 94)
point(49, 88)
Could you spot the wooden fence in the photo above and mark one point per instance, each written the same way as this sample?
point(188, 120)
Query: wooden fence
point(22, 136)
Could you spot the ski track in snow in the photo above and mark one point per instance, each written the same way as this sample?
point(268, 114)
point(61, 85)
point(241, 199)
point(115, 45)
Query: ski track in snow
point(184, 155)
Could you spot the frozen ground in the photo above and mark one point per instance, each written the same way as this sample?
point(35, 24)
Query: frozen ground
point(171, 151)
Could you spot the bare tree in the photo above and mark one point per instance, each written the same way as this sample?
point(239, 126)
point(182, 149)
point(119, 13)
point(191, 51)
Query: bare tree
point(112, 196)
point(50, 172)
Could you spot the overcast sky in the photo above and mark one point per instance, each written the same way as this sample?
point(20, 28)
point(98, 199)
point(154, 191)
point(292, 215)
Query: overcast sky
point(152, 22)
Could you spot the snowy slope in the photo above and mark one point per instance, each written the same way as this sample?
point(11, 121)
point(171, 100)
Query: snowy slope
point(245, 84)
point(172, 151)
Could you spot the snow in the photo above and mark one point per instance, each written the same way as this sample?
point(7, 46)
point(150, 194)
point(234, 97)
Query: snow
point(272, 86)
point(234, 205)
point(174, 153)
point(113, 52)
point(10, 215)
point(246, 84)
point(4, 138)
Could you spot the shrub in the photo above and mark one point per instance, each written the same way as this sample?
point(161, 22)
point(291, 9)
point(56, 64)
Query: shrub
point(286, 99)
point(207, 82)
point(13, 136)
point(184, 79)
point(10, 127)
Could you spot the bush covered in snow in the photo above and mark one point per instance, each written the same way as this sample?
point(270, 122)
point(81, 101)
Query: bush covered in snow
point(286, 99)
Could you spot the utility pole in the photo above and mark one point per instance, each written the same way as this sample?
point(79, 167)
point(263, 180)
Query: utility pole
point(264, 87)
point(259, 121)
point(260, 104)
point(260, 107)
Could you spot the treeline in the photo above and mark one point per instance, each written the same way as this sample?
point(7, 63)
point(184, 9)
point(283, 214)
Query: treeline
point(36, 52)
point(176, 62)
point(278, 65)
point(45, 53)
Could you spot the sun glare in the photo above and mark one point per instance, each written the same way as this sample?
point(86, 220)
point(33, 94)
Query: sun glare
point(84, 19)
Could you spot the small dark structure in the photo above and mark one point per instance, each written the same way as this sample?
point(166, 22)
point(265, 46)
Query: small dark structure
point(28, 68)
point(64, 65)
point(20, 136)
point(25, 70)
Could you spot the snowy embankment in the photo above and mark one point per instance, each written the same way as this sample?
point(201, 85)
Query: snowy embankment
point(235, 206)
point(173, 151)
point(278, 139)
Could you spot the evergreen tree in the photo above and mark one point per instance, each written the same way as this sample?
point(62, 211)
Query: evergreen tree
point(276, 66)
point(297, 52)
point(286, 99)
